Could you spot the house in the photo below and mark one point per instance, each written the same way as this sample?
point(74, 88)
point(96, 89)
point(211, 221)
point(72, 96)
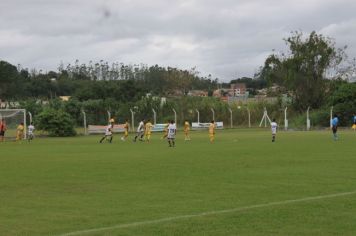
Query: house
point(64, 98)
point(238, 89)
point(198, 93)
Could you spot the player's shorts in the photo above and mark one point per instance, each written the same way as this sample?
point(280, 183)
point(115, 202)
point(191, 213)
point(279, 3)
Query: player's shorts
point(2, 133)
point(19, 136)
point(334, 129)
point(171, 136)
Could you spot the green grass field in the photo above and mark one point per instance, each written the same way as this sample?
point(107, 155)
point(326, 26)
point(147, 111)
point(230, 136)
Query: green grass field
point(243, 184)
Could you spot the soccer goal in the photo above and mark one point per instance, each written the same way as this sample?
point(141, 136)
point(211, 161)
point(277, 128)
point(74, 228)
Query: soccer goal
point(12, 118)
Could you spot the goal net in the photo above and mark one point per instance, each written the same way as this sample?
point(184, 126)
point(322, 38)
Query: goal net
point(12, 118)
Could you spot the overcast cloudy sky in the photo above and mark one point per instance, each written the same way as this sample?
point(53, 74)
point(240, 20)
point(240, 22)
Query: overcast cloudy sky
point(225, 38)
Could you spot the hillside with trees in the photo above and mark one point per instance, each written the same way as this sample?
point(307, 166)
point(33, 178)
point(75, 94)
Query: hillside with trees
point(99, 81)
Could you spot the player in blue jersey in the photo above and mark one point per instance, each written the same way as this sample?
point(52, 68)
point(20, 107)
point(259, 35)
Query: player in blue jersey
point(334, 125)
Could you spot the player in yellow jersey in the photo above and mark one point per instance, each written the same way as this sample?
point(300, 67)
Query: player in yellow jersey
point(20, 132)
point(126, 130)
point(165, 130)
point(212, 131)
point(186, 130)
point(148, 130)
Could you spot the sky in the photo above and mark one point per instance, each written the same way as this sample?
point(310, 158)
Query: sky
point(225, 38)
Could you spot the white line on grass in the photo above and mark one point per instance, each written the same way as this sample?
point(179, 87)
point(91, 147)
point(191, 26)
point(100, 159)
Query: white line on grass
point(173, 218)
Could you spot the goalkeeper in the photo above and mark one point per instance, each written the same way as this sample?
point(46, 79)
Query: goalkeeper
point(2, 129)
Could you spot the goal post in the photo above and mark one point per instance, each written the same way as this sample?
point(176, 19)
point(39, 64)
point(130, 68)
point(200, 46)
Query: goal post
point(12, 118)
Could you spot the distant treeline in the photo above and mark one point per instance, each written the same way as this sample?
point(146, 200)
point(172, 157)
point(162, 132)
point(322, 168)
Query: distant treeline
point(101, 81)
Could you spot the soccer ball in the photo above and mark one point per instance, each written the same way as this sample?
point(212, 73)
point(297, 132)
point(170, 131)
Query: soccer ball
point(238, 107)
point(111, 120)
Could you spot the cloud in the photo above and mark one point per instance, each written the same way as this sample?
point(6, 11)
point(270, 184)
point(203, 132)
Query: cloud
point(226, 38)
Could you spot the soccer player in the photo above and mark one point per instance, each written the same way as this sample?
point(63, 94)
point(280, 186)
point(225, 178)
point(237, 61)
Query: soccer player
point(212, 131)
point(2, 130)
point(126, 132)
point(186, 130)
point(148, 129)
point(30, 128)
point(334, 125)
point(20, 131)
point(108, 133)
point(274, 126)
point(165, 130)
point(172, 130)
point(140, 131)
point(354, 122)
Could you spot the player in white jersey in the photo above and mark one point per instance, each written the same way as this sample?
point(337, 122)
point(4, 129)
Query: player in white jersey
point(140, 131)
point(172, 130)
point(274, 129)
point(30, 128)
point(108, 133)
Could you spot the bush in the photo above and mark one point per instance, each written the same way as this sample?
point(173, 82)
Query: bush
point(344, 102)
point(56, 122)
point(320, 118)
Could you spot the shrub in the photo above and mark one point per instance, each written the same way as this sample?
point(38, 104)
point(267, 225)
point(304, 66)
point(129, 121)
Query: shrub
point(320, 118)
point(55, 122)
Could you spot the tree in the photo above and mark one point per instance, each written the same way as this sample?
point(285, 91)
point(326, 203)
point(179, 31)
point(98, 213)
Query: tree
point(302, 70)
point(10, 80)
point(344, 102)
point(55, 122)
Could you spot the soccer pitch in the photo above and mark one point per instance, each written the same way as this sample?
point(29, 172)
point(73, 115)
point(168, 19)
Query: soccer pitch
point(243, 184)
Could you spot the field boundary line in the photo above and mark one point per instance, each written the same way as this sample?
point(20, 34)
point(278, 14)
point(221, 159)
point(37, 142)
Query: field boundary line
point(208, 213)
